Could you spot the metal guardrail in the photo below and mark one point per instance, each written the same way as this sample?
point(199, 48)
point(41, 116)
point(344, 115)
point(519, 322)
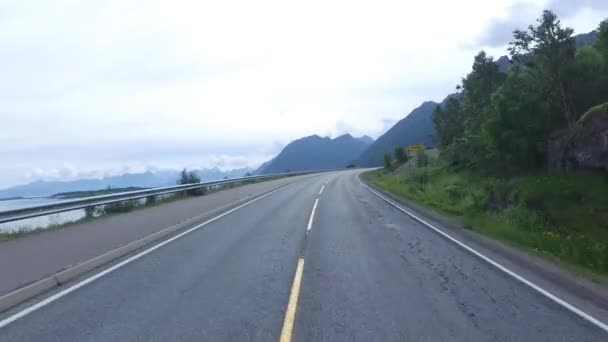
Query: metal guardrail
point(81, 203)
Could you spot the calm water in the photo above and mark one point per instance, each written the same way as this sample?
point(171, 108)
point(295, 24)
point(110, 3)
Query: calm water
point(36, 222)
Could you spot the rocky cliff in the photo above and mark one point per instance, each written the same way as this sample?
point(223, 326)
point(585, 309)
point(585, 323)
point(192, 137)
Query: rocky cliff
point(584, 146)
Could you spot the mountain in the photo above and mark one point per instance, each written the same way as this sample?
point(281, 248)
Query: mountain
point(418, 127)
point(366, 139)
point(141, 180)
point(415, 128)
point(315, 153)
point(261, 168)
point(585, 39)
point(504, 63)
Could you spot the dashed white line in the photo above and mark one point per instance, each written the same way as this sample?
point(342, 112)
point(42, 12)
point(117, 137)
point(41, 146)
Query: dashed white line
point(292, 305)
point(502, 268)
point(312, 215)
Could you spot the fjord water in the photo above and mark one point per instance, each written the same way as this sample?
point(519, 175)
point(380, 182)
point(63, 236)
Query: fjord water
point(36, 222)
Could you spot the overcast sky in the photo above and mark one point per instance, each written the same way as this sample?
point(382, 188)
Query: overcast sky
point(93, 88)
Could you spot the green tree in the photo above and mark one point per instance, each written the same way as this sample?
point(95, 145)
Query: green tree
point(449, 121)
point(190, 177)
point(388, 161)
point(400, 155)
point(477, 89)
point(518, 125)
point(602, 39)
point(591, 79)
point(549, 50)
point(479, 85)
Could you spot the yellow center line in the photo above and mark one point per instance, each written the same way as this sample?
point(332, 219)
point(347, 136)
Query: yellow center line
point(290, 314)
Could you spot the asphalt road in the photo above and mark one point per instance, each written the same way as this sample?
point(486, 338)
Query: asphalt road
point(35, 256)
point(370, 273)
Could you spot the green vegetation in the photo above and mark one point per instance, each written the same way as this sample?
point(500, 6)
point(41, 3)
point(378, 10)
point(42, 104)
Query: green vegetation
point(500, 123)
point(190, 177)
point(400, 155)
point(490, 171)
point(25, 230)
point(388, 161)
point(564, 216)
point(120, 207)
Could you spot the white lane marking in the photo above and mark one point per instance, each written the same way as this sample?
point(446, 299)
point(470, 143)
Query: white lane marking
point(75, 287)
point(312, 215)
point(523, 280)
point(322, 188)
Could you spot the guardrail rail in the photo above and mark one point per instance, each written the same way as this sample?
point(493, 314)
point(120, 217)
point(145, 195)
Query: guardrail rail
point(81, 203)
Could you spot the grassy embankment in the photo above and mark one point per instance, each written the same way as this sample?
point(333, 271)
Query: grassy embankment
point(562, 216)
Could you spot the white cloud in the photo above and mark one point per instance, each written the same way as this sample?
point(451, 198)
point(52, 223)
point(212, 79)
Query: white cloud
point(92, 87)
point(583, 15)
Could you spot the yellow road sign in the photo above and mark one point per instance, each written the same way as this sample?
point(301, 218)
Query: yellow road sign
point(415, 147)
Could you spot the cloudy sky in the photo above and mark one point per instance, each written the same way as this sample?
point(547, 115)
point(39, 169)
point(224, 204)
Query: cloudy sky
point(93, 88)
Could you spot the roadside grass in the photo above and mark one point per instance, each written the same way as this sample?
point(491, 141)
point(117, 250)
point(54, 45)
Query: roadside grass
point(561, 216)
point(95, 212)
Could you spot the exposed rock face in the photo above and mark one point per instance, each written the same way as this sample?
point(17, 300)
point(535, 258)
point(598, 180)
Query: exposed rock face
point(584, 146)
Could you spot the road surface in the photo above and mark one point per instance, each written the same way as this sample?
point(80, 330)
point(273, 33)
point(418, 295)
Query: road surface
point(368, 273)
point(35, 256)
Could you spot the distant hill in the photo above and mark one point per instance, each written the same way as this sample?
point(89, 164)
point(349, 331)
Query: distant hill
point(415, 128)
point(314, 152)
point(261, 168)
point(504, 63)
point(585, 39)
point(139, 180)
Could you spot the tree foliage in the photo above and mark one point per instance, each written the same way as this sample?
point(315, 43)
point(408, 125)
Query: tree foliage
point(449, 121)
point(388, 161)
point(459, 119)
point(400, 155)
point(188, 177)
point(501, 122)
point(550, 51)
point(602, 39)
point(517, 125)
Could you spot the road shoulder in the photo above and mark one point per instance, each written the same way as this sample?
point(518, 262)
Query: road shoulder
point(582, 290)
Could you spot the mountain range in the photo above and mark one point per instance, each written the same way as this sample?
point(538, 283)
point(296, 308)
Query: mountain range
point(308, 153)
point(315, 153)
point(143, 180)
